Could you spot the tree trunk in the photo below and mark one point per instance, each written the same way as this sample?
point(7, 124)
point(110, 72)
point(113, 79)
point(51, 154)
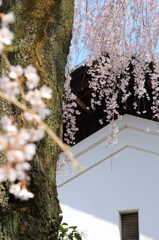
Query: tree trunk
point(42, 38)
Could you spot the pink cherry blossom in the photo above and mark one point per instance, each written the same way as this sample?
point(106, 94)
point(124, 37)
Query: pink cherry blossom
point(40, 107)
point(12, 88)
point(33, 96)
point(24, 194)
point(28, 116)
point(32, 80)
point(7, 172)
point(43, 112)
point(15, 71)
point(20, 175)
point(36, 134)
point(7, 18)
point(15, 156)
point(7, 125)
point(6, 36)
point(4, 82)
point(3, 143)
point(21, 137)
point(45, 92)
point(15, 189)
point(29, 151)
point(22, 166)
point(29, 70)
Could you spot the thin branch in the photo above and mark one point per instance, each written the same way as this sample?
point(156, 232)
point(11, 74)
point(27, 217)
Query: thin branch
point(63, 147)
point(7, 62)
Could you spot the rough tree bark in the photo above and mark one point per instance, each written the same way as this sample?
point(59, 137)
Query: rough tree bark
point(42, 37)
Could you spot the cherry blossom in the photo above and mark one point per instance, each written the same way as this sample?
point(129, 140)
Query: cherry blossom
point(36, 134)
point(15, 71)
point(39, 107)
point(33, 96)
point(28, 116)
point(29, 70)
point(7, 172)
point(7, 18)
point(45, 92)
point(3, 143)
point(20, 191)
point(43, 112)
point(29, 151)
point(15, 189)
point(12, 88)
point(6, 36)
point(8, 126)
point(32, 80)
point(69, 112)
point(23, 166)
point(21, 175)
point(24, 194)
point(32, 77)
point(15, 156)
point(21, 138)
point(4, 82)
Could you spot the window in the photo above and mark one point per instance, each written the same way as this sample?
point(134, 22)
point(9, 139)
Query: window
point(129, 226)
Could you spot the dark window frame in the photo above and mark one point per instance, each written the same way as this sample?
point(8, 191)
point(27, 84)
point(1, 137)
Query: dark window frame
point(129, 225)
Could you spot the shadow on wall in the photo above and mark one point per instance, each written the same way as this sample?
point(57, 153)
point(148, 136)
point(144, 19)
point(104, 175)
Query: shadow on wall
point(92, 200)
point(94, 228)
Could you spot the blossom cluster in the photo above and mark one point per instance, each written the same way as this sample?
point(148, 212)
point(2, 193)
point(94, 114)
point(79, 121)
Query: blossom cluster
point(19, 149)
point(155, 92)
point(119, 37)
point(17, 144)
point(62, 162)
point(69, 112)
point(6, 36)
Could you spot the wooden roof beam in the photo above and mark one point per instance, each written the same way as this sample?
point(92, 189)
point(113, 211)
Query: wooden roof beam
point(83, 103)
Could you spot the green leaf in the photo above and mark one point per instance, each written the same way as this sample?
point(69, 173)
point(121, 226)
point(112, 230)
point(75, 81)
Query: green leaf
point(62, 235)
point(77, 236)
point(70, 236)
point(62, 229)
point(64, 224)
point(73, 227)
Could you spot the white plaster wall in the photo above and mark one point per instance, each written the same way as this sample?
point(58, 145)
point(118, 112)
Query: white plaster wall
point(93, 200)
